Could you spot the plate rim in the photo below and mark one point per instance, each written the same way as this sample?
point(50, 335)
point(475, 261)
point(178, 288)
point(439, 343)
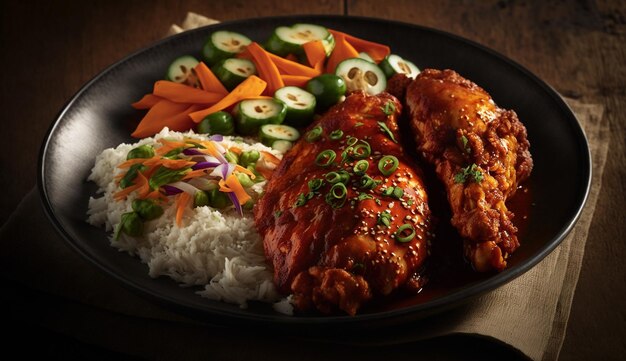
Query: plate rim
point(434, 306)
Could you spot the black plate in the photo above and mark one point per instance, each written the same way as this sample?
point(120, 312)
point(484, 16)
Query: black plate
point(100, 116)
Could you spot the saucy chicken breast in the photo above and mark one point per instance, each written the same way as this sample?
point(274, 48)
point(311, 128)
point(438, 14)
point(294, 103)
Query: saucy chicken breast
point(345, 216)
point(480, 153)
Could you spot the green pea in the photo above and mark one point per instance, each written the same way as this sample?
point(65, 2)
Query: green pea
point(200, 199)
point(231, 157)
point(142, 151)
point(218, 199)
point(249, 157)
point(147, 209)
point(131, 224)
point(245, 180)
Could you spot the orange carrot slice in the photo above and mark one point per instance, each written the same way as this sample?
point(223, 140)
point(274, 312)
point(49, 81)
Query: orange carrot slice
point(295, 80)
point(165, 113)
point(147, 102)
point(208, 80)
point(315, 54)
point(343, 50)
point(289, 67)
point(231, 184)
point(377, 51)
point(181, 204)
point(169, 163)
point(195, 174)
point(266, 68)
point(181, 93)
point(251, 87)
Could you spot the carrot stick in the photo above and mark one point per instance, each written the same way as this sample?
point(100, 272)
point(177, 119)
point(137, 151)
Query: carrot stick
point(131, 162)
point(343, 50)
point(169, 163)
point(315, 54)
point(250, 87)
point(181, 93)
point(295, 80)
point(291, 57)
point(377, 51)
point(181, 204)
point(266, 68)
point(231, 184)
point(165, 114)
point(208, 80)
point(194, 174)
point(289, 67)
point(147, 102)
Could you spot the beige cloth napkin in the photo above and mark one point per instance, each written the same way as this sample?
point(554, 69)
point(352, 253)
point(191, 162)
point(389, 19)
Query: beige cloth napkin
point(530, 313)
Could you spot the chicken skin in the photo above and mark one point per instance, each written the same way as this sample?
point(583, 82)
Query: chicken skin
point(345, 216)
point(480, 153)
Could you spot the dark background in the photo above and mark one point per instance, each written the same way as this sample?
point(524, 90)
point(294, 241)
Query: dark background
point(50, 49)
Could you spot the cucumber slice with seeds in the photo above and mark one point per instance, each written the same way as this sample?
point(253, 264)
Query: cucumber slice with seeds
point(222, 45)
point(181, 70)
point(253, 113)
point(360, 74)
point(288, 40)
point(300, 105)
point(269, 134)
point(394, 64)
point(233, 71)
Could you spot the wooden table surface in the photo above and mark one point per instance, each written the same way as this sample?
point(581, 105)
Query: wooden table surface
point(50, 49)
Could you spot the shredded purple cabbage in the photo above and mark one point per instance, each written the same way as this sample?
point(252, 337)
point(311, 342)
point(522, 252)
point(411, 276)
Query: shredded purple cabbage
point(171, 190)
point(204, 165)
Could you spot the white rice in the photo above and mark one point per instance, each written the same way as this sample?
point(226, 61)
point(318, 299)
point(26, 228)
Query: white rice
point(219, 250)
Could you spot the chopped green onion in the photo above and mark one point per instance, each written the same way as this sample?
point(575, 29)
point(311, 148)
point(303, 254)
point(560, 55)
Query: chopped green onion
point(471, 171)
point(361, 167)
point(389, 108)
point(367, 182)
point(364, 196)
point(402, 236)
point(313, 134)
point(336, 134)
point(398, 192)
point(384, 219)
point(358, 124)
point(302, 199)
point(315, 184)
point(332, 177)
point(336, 197)
point(362, 150)
point(386, 130)
point(388, 191)
point(278, 213)
point(351, 141)
point(387, 165)
point(325, 158)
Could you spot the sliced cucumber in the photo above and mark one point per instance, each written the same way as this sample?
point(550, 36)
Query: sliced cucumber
point(223, 45)
point(181, 70)
point(394, 64)
point(289, 40)
point(253, 113)
point(231, 72)
point(269, 134)
point(360, 74)
point(365, 56)
point(282, 145)
point(300, 105)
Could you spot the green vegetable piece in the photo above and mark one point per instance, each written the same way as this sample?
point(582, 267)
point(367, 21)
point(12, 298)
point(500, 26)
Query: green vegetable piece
point(314, 134)
point(405, 233)
point(253, 113)
point(471, 172)
point(131, 224)
point(289, 40)
point(300, 105)
point(360, 74)
point(385, 129)
point(200, 199)
point(325, 158)
point(142, 151)
point(394, 64)
point(218, 199)
point(231, 157)
point(147, 209)
point(181, 70)
point(232, 72)
point(328, 90)
point(249, 157)
point(131, 174)
point(165, 175)
point(217, 123)
point(245, 180)
point(387, 165)
point(222, 45)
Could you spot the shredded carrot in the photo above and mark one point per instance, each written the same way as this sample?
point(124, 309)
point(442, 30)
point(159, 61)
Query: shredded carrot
point(291, 57)
point(169, 163)
point(245, 171)
point(165, 113)
point(343, 50)
point(181, 93)
point(131, 162)
point(295, 80)
point(208, 80)
point(377, 51)
point(156, 194)
point(181, 204)
point(266, 68)
point(231, 184)
point(144, 189)
point(194, 174)
point(141, 184)
point(250, 87)
point(118, 196)
point(315, 54)
point(235, 150)
point(270, 157)
point(289, 67)
point(147, 102)
point(168, 146)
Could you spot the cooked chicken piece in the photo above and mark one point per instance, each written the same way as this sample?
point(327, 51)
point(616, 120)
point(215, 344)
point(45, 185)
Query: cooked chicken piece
point(336, 229)
point(480, 153)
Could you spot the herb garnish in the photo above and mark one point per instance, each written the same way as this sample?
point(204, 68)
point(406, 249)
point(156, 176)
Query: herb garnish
point(386, 130)
point(470, 172)
point(389, 108)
